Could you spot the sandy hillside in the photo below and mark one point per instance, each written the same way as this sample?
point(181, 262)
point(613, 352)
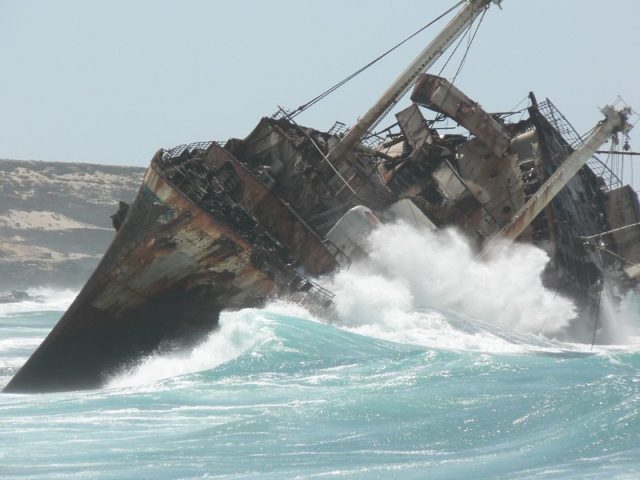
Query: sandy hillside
point(55, 219)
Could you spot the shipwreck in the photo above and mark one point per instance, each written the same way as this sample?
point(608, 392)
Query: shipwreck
point(227, 225)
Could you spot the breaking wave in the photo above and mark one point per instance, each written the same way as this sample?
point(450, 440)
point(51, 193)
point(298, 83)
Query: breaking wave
point(41, 299)
point(238, 332)
point(409, 271)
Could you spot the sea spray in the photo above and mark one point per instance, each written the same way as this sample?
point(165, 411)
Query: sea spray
point(615, 322)
point(628, 314)
point(409, 270)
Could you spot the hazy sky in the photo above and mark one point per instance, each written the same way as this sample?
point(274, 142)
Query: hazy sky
point(113, 81)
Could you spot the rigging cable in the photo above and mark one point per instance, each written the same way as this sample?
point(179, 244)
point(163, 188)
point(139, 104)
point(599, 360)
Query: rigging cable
point(455, 49)
point(393, 104)
point(466, 52)
point(440, 116)
point(462, 61)
point(332, 89)
point(514, 108)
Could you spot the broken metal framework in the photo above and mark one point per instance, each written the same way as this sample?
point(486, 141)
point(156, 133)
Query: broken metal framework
point(573, 141)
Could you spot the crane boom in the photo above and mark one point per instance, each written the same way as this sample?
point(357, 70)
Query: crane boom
point(615, 121)
point(401, 85)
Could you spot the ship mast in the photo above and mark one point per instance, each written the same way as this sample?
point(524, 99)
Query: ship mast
point(403, 83)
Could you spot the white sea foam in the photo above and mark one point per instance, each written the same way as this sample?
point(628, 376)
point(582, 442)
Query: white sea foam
point(410, 269)
point(42, 299)
point(444, 297)
point(238, 332)
point(429, 288)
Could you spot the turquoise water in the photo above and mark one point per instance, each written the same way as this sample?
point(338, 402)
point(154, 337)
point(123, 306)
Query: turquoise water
point(277, 394)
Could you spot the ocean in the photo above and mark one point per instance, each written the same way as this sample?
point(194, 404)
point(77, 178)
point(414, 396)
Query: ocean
point(420, 373)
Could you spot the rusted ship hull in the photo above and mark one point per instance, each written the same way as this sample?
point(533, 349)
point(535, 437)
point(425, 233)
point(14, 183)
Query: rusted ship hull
point(164, 279)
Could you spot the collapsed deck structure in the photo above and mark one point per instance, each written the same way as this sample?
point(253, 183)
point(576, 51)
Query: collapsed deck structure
point(226, 226)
